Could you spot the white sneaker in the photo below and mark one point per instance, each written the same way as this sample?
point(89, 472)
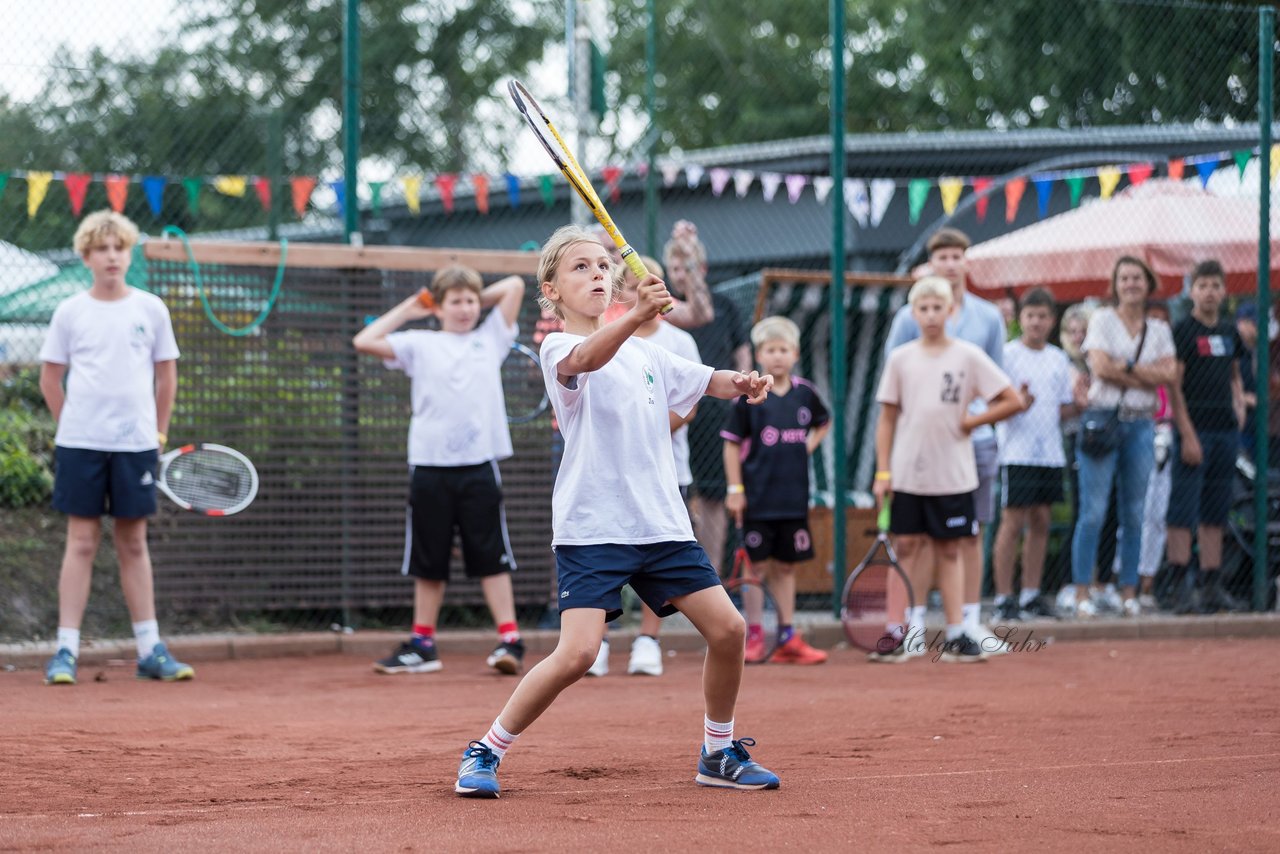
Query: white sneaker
point(1132, 608)
point(1109, 601)
point(600, 667)
point(646, 657)
point(988, 641)
point(1086, 610)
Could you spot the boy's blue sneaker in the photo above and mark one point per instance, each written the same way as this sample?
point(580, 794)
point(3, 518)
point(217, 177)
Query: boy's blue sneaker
point(163, 666)
point(478, 773)
point(732, 768)
point(61, 669)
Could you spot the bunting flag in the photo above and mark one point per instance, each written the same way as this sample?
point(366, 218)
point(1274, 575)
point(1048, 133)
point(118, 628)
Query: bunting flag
point(1108, 180)
point(670, 172)
point(719, 178)
point(917, 193)
point(950, 190)
point(1206, 168)
point(613, 181)
point(481, 185)
point(822, 185)
point(339, 188)
point(1013, 198)
point(1075, 184)
point(858, 200)
point(231, 185)
point(153, 189)
point(413, 193)
point(375, 196)
point(1275, 166)
point(444, 184)
point(117, 191)
point(693, 175)
point(1139, 172)
point(37, 188)
point(1176, 167)
point(882, 190)
point(513, 190)
point(795, 186)
point(1044, 190)
point(1242, 159)
point(193, 187)
point(547, 190)
point(262, 187)
point(769, 183)
point(302, 187)
point(742, 179)
point(980, 188)
point(77, 185)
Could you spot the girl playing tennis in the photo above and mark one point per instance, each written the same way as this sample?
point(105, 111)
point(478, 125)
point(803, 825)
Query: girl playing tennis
point(617, 516)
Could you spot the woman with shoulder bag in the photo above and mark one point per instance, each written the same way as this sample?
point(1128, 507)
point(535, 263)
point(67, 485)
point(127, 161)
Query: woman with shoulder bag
point(1129, 357)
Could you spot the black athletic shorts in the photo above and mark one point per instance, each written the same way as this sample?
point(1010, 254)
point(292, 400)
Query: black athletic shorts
point(463, 499)
point(943, 517)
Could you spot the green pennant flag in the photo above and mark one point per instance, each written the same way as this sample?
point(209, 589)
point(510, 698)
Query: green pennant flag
point(375, 187)
point(1242, 160)
point(193, 187)
point(917, 192)
point(548, 192)
point(4, 181)
point(1076, 185)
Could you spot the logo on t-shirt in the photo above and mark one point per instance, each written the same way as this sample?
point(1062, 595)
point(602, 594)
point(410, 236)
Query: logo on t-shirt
point(138, 336)
point(951, 386)
point(1211, 345)
point(648, 381)
point(803, 416)
point(769, 436)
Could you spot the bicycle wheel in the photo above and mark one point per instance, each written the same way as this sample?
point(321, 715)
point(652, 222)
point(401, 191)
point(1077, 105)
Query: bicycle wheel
point(760, 612)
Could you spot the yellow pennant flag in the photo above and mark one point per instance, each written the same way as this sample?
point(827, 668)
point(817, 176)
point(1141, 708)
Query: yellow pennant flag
point(412, 186)
point(950, 190)
point(1108, 178)
point(230, 185)
point(1275, 162)
point(37, 187)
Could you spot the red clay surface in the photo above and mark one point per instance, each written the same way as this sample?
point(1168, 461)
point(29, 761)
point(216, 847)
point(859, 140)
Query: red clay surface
point(1130, 745)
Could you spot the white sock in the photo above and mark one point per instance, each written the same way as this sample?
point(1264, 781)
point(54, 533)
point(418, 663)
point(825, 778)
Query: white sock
point(147, 634)
point(1028, 596)
point(972, 612)
point(954, 632)
point(1001, 598)
point(915, 618)
point(69, 639)
point(498, 739)
point(718, 736)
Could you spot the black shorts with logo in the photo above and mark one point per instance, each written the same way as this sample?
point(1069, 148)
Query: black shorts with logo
point(784, 540)
point(465, 499)
point(942, 517)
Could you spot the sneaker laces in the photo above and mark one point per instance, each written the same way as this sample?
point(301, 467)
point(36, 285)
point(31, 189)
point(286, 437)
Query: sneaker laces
point(485, 758)
point(738, 749)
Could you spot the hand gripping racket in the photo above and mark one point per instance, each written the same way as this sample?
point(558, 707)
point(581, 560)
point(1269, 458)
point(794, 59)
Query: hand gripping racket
point(555, 145)
point(212, 480)
point(877, 595)
point(755, 603)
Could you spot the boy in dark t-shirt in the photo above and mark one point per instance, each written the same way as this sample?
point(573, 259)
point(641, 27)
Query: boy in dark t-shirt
point(1208, 410)
point(766, 464)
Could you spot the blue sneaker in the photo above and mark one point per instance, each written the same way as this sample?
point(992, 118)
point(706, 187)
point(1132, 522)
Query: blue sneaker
point(732, 768)
point(163, 666)
point(61, 669)
point(478, 773)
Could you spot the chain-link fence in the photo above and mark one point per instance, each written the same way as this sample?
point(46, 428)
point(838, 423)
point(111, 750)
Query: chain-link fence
point(1057, 138)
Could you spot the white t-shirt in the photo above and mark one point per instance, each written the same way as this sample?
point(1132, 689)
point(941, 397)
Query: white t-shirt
point(1108, 334)
point(682, 344)
point(1034, 437)
point(617, 481)
point(459, 414)
point(110, 349)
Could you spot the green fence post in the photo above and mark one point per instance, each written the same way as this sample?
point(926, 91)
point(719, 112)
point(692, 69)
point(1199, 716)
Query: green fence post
point(351, 122)
point(1262, 458)
point(836, 296)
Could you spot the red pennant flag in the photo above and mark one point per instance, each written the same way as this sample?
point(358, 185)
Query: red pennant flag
point(612, 179)
point(445, 184)
point(1139, 172)
point(1013, 197)
point(481, 184)
point(1176, 165)
point(980, 185)
point(77, 185)
point(117, 191)
point(262, 186)
point(302, 188)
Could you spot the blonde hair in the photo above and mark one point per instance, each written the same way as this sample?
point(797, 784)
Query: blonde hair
point(100, 225)
point(455, 277)
point(931, 286)
point(553, 253)
point(775, 328)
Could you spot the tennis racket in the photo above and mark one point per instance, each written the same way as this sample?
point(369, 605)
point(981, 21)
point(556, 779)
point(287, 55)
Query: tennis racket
point(522, 385)
point(564, 160)
point(759, 610)
point(877, 596)
point(212, 480)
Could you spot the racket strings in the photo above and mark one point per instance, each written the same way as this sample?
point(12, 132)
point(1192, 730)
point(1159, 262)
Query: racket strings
point(523, 387)
point(208, 479)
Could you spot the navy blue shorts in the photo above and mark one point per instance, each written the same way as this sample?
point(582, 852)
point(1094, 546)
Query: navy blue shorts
point(1201, 495)
point(593, 576)
point(97, 483)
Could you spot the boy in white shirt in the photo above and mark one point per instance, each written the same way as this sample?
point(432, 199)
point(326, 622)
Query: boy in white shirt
point(1032, 459)
point(457, 435)
point(616, 509)
point(115, 347)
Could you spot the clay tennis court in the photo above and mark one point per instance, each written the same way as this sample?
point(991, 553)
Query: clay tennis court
point(1098, 745)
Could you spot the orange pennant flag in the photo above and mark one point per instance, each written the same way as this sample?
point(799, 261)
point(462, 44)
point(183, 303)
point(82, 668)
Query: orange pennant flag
point(302, 188)
point(1013, 197)
point(1176, 167)
point(481, 184)
point(117, 191)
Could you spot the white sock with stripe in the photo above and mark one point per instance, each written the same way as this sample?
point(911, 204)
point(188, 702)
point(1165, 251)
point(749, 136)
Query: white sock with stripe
point(498, 739)
point(717, 736)
point(972, 617)
point(69, 639)
point(147, 634)
point(1028, 596)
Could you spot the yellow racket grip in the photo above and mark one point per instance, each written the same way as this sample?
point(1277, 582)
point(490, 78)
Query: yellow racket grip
point(632, 259)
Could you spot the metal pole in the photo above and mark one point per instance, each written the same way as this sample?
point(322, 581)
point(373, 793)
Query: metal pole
point(578, 47)
point(1262, 458)
point(351, 123)
point(651, 101)
point(275, 144)
point(836, 296)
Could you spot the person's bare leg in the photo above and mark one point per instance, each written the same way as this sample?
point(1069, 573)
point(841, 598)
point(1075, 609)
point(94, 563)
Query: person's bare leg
point(428, 596)
point(782, 581)
point(1006, 549)
point(950, 579)
point(581, 630)
point(650, 623)
point(710, 524)
point(1210, 540)
point(719, 623)
point(1178, 546)
point(970, 553)
point(136, 578)
point(76, 575)
point(1036, 546)
point(499, 597)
